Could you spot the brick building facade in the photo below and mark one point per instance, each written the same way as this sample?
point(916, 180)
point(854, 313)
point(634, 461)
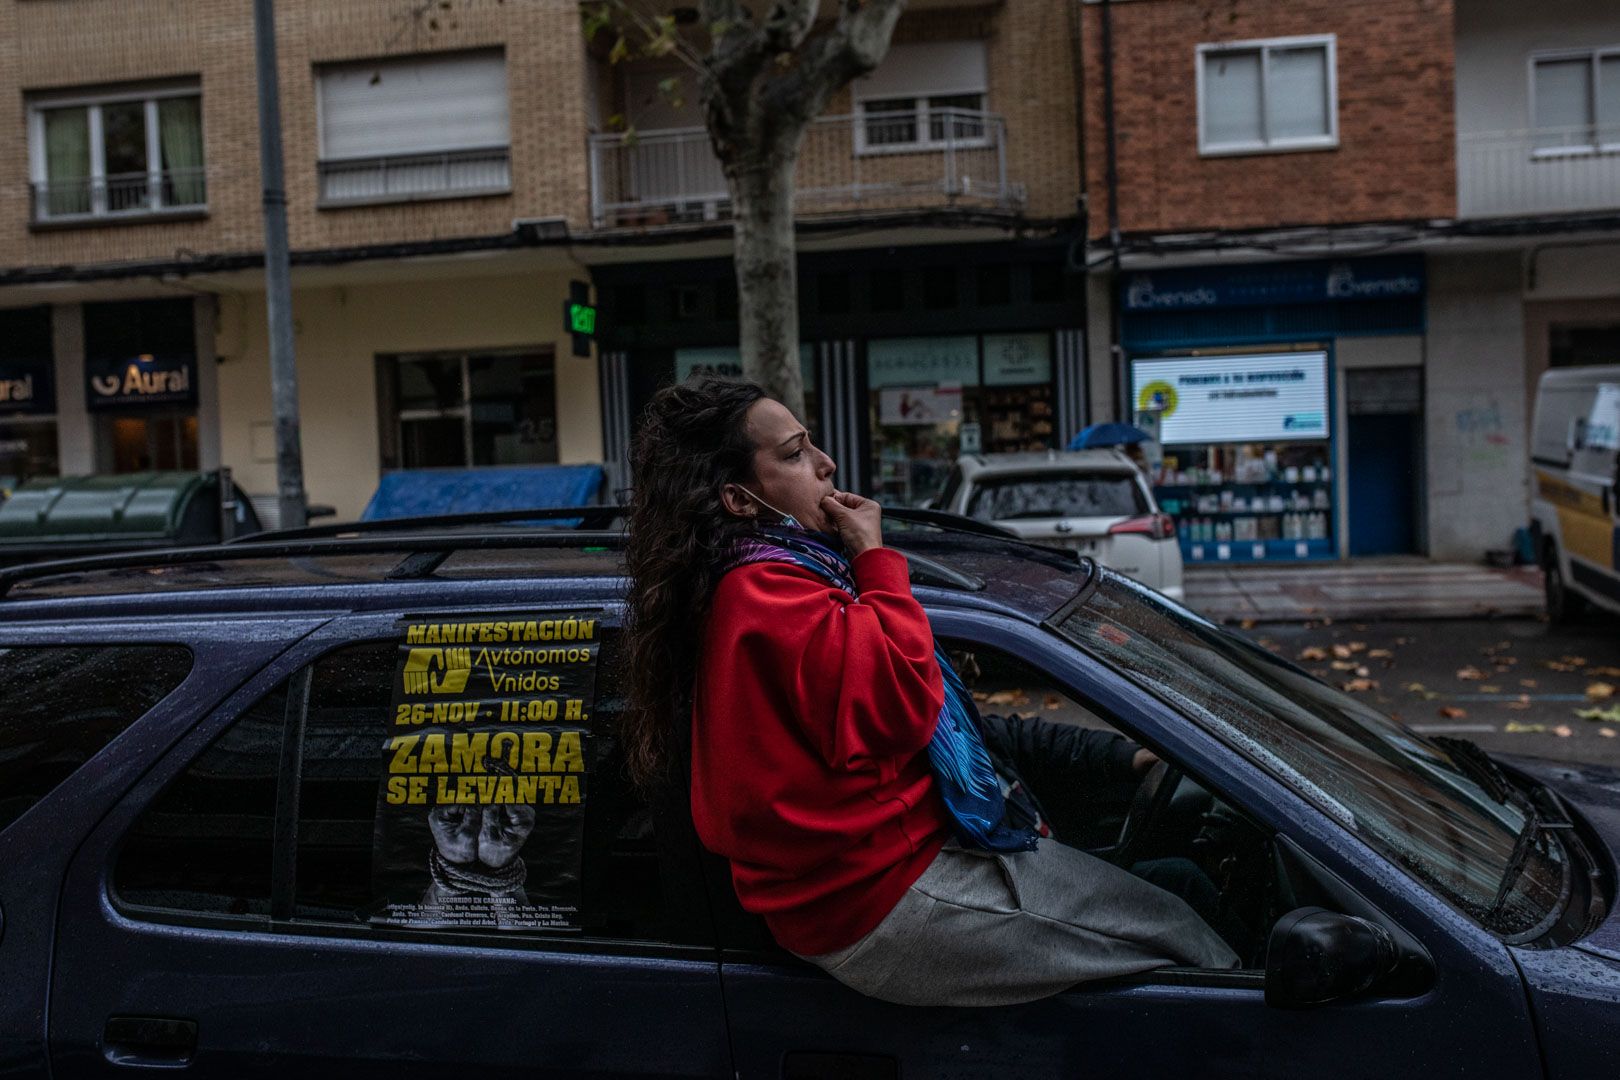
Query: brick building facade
point(417, 258)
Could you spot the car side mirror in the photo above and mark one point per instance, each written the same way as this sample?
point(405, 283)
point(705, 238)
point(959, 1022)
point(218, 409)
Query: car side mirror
point(1315, 956)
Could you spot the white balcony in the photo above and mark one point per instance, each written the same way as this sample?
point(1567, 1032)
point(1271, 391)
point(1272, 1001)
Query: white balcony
point(952, 158)
point(1546, 171)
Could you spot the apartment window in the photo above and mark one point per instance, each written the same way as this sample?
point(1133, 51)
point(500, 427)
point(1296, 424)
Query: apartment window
point(924, 97)
point(1266, 96)
point(127, 154)
point(453, 410)
point(1575, 98)
point(423, 127)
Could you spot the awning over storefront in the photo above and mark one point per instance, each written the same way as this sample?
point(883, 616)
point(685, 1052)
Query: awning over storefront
point(419, 492)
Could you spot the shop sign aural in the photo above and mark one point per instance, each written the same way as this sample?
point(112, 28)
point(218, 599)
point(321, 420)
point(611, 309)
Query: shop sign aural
point(1224, 399)
point(26, 387)
point(134, 381)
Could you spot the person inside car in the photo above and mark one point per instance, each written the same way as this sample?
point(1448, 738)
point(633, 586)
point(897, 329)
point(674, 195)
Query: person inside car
point(836, 760)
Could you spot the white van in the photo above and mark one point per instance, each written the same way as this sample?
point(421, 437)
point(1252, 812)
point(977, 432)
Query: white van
point(1574, 507)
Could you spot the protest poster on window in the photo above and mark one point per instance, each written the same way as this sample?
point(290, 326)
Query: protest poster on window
point(480, 816)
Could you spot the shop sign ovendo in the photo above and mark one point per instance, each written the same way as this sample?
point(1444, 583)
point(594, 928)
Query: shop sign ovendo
point(133, 381)
point(1222, 399)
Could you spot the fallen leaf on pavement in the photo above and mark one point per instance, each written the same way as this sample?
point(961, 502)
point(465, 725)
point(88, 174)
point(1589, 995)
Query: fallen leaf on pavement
point(1559, 665)
point(1504, 661)
point(1313, 652)
point(1363, 671)
point(1403, 641)
point(1563, 731)
point(1380, 654)
point(1358, 646)
point(1002, 697)
point(1343, 652)
point(1606, 732)
point(1528, 683)
point(1452, 712)
point(1513, 727)
point(1416, 687)
point(1470, 672)
point(1611, 715)
point(1053, 702)
point(1343, 665)
point(1490, 689)
point(1605, 672)
point(1574, 661)
point(1520, 702)
point(1356, 686)
point(1599, 691)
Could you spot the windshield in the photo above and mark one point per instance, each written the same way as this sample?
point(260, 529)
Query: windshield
point(1057, 495)
point(1400, 793)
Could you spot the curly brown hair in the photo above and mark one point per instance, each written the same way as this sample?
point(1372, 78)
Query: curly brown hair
point(693, 441)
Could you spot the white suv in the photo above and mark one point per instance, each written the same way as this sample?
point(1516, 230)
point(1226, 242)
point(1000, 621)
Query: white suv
point(1094, 501)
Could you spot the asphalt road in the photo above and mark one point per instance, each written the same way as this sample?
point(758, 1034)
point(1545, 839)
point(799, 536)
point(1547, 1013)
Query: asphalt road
point(1512, 685)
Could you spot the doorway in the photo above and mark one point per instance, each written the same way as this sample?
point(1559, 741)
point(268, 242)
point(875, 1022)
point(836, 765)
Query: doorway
point(159, 440)
point(1385, 433)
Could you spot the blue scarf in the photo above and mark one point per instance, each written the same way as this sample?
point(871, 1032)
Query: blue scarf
point(963, 772)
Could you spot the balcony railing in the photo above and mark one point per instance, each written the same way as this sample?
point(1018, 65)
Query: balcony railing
point(1546, 171)
point(120, 195)
point(407, 177)
point(846, 164)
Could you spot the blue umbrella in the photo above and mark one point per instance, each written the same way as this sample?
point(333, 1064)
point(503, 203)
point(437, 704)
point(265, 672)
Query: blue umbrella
point(1108, 435)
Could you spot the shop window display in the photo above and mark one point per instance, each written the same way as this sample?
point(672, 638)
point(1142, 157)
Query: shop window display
point(934, 399)
point(1247, 470)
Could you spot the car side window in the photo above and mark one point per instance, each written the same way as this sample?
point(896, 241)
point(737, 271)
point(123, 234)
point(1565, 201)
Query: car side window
point(361, 858)
point(204, 844)
point(59, 705)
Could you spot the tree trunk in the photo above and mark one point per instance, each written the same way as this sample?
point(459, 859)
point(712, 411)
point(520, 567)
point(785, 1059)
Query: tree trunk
point(767, 275)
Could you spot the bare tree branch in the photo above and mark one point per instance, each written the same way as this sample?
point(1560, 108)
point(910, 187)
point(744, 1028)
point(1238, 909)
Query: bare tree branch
point(788, 23)
point(852, 47)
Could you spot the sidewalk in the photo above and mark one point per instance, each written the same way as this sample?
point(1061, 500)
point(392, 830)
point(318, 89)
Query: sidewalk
point(1370, 589)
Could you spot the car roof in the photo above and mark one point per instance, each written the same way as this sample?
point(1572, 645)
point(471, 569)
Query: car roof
point(1109, 460)
point(551, 555)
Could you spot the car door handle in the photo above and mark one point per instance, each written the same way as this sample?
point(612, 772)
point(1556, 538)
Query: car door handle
point(801, 1065)
point(149, 1040)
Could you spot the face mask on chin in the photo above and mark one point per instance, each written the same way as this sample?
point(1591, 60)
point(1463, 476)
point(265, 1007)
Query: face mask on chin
point(788, 520)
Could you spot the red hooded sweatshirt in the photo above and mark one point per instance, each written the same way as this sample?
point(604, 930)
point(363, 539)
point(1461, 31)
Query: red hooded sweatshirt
point(811, 720)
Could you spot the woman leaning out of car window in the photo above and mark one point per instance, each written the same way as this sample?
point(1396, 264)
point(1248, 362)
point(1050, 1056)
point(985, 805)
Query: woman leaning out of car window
point(836, 761)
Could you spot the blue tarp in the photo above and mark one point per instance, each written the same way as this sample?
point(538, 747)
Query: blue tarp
point(418, 492)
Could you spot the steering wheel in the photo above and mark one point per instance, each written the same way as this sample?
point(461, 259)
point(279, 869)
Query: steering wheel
point(1147, 810)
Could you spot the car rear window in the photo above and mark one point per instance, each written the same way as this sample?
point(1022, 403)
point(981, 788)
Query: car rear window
point(1057, 495)
point(59, 705)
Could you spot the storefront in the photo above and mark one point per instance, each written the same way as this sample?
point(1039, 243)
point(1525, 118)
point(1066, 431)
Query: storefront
point(911, 356)
point(28, 439)
point(1277, 390)
point(140, 378)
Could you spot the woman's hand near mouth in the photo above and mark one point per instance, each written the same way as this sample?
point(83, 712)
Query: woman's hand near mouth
point(858, 521)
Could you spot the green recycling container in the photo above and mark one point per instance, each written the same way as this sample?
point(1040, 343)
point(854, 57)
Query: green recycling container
point(61, 517)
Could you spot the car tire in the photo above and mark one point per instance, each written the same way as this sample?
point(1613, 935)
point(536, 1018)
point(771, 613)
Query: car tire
point(1563, 605)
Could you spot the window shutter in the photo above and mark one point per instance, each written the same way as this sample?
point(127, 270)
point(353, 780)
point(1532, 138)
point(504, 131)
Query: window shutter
point(414, 106)
point(1296, 93)
point(1232, 99)
point(927, 70)
point(1564, 96)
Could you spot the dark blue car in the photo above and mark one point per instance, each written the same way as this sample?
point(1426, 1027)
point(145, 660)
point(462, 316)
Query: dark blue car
point(349, 803)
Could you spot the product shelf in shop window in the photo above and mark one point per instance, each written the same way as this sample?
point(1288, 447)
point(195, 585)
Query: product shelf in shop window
point(1247, 551)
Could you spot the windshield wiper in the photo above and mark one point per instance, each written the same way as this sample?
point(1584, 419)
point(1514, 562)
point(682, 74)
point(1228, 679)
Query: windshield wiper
point(1477, 765)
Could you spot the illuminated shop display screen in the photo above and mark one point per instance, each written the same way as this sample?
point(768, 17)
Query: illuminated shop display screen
point(1271, 397)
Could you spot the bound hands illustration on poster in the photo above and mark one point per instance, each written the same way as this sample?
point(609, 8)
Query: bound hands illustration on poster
point(481, 810)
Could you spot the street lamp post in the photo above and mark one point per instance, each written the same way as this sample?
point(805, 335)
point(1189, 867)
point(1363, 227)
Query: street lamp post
point(278, 287)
